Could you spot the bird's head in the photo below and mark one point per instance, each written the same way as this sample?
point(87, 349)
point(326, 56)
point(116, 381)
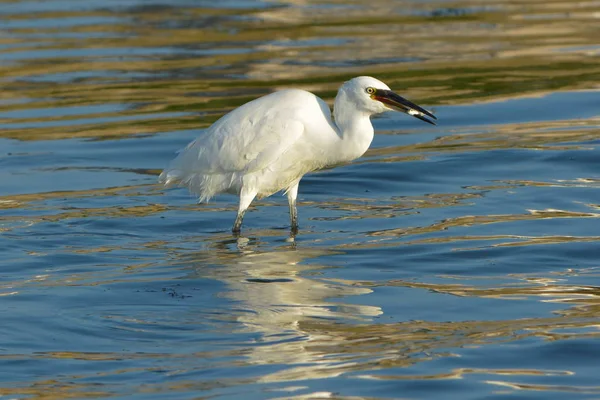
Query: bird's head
point(373, 97)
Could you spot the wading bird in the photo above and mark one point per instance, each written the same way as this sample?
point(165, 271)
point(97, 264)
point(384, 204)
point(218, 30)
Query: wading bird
point(269, 144)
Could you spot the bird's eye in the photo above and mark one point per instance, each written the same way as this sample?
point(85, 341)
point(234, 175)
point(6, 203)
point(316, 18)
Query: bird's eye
point(370, 90)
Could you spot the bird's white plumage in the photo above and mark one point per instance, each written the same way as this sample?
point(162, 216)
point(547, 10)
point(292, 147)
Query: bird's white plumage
point(268, 144)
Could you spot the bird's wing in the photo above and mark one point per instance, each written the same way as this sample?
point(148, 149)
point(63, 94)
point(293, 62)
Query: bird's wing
point(241, 142)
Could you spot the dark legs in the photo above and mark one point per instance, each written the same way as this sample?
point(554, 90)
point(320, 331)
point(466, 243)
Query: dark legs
point(292, 193)
point(237, 225)
point(246, 198)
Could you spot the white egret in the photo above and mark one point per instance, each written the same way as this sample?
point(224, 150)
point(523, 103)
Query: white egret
point(269, 144)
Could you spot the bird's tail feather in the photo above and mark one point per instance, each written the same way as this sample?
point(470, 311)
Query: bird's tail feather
point(205, 186)
point(169, 178)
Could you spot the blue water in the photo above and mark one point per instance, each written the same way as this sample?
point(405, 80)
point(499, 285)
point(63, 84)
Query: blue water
point(455, 262)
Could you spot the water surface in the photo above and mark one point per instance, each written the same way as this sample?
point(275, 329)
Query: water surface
point(456, 262)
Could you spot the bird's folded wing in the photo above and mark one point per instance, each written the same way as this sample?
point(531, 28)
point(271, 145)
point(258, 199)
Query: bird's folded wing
point(240, 146)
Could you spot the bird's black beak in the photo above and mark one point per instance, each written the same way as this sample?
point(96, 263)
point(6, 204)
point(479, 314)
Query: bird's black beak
point(401, 104)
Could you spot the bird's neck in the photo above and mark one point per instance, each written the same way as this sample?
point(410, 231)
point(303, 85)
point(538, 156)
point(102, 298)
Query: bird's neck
point(355, 130)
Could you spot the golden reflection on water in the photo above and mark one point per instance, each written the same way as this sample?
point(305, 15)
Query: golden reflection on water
point(459, 373)
point(213, 60)
point(54, 390)
point(553, 388)
point(546, 135)
point(383, 346)
point(434, 53)
point(279, 294)
point(471, 220)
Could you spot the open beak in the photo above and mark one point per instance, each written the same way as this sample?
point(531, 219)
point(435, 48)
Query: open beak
point(401, 104)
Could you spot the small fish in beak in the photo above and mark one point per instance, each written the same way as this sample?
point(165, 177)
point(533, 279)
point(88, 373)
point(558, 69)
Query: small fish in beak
point(399, 103)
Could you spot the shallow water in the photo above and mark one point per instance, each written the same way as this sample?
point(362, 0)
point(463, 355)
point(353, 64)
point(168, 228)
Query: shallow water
point(456, 262)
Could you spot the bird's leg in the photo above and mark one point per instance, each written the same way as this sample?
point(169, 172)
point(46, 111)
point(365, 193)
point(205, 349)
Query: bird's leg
point(237, 225)
point(246, 198)
point(292, 193)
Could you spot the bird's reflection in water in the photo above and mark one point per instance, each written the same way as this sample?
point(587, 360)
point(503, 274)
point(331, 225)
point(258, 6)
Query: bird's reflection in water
point(278, 287)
